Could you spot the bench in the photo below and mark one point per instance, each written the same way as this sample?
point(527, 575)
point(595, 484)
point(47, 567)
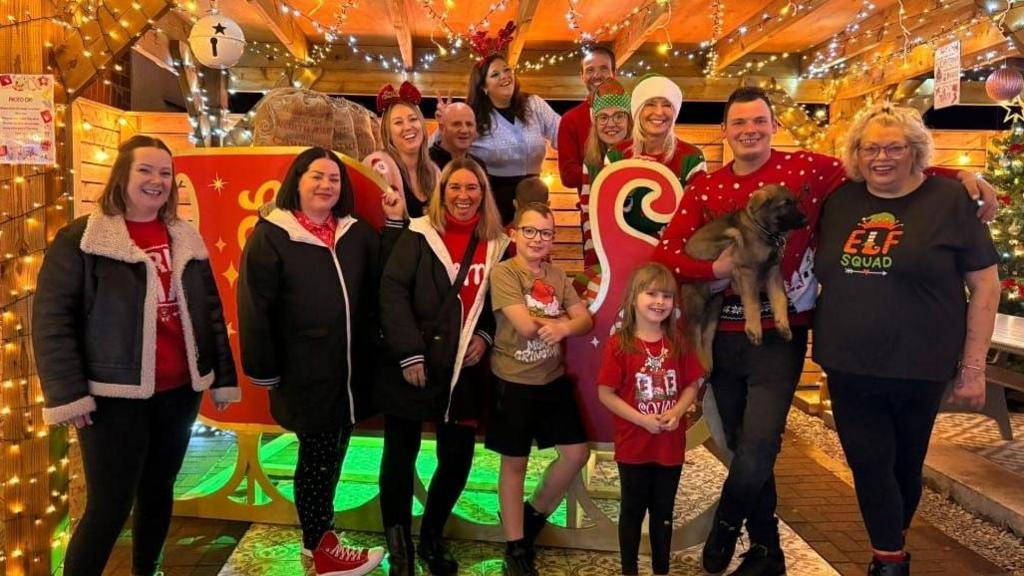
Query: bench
point(1007, 339)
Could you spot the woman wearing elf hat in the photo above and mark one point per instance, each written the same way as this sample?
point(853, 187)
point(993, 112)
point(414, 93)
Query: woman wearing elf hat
point(611, 125)
point(655, 104)
point(404, 161)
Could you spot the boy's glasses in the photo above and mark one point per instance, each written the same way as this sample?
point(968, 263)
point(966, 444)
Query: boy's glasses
point(529, 232)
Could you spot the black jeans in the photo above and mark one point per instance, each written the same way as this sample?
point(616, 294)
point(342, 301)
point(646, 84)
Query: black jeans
point(455, 446)
point(131, 453)
point(753, 387)
point(316, 477)
point(884, 425)
point(647, 489)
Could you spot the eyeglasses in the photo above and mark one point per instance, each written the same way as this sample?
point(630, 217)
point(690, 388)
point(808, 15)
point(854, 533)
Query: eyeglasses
point(606, 118)
point(529, 232)
point(896, 151)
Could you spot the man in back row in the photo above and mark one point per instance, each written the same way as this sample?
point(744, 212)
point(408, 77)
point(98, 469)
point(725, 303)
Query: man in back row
point(598, 65)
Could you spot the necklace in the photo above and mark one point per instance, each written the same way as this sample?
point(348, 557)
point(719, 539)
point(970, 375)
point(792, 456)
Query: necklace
point(652, 364)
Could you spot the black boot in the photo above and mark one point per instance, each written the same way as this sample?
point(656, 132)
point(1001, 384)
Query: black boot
point(720, 546)
point(518, 560)
point(435, 553)
point(401, 561)
point(881, 568)
point(761, 560)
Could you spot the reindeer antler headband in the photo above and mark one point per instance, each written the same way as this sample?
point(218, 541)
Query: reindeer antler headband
point(484, 46)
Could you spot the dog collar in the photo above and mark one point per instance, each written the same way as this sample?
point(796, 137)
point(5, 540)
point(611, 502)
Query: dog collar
point(778, 240)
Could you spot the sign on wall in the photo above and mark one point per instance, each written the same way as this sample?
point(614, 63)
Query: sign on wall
point(947, 75)
point(26, 119)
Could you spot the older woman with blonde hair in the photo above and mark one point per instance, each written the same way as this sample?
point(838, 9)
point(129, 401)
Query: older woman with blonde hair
point(437, 323)
point(894, 324)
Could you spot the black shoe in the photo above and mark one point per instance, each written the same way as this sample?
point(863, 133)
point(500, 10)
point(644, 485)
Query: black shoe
point(518, 560)
point(435, 553)
point(880, 568)
point(719, 547)
point(761, 561)
point(400, 556)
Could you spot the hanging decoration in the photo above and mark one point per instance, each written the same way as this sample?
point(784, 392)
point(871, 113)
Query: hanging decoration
point(217, 41)
point(1004, 84)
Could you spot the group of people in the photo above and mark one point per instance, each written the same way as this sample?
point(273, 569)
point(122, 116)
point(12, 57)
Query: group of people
point(453, 315)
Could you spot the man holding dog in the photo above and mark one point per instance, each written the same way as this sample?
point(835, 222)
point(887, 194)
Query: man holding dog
point(753, 386)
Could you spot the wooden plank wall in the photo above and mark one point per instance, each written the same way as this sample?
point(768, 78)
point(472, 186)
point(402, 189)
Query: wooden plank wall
point(95, 150)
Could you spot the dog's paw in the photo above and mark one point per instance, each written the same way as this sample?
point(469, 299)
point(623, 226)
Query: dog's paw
point(754, 333)
point(784, 330)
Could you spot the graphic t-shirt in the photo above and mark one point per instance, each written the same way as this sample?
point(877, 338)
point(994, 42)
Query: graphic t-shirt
point(528, 360)
point(651, 381)
point(171, 358)
point(892, 270)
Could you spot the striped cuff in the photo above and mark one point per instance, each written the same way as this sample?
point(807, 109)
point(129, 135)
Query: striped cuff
point(396, 223)
point(487, 337)
point(417, 359)
point(265, 382)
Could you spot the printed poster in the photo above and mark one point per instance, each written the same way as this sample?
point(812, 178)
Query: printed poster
point(26, 119)
point(947, 75)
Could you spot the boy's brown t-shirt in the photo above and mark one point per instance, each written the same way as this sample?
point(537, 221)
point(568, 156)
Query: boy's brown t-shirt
point(518, 359)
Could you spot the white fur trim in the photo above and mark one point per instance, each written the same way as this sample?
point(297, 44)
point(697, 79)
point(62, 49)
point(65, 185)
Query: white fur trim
point(654, 87)
point(204, 381)
point(285, 220)
point(108, 236)
point(65, 412)
point(231, 394)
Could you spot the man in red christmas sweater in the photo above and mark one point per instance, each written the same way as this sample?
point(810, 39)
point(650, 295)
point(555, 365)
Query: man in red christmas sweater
point(597, 66)
point(753, 386)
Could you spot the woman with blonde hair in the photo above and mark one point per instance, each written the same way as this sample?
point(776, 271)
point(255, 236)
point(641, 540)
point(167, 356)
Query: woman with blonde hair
point(898, 253)
point(404, 162)
point(437, 324)
point(128, 331)
point(654, 104)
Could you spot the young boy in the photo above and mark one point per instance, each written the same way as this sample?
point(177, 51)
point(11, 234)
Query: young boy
point(535, 308)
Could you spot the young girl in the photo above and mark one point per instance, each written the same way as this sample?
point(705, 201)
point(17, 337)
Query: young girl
point(648, 379)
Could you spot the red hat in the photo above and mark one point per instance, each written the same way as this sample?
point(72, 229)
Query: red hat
point(388, 96)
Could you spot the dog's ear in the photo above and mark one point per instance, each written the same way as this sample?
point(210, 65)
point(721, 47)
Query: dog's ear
point(758, 200)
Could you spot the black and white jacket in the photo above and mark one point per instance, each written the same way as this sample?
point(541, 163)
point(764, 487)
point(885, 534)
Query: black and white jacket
point(307, 320)
point(418, 275)
point(94, 318)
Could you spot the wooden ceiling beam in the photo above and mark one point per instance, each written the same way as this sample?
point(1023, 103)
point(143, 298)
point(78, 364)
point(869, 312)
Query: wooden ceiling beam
point(977, 45)
point(553, 87)
point(524, 18)
point(631, 38)
point(775, 19)
point(285, 28)
point(403, 33)
point(881, 28)
point(1010, 20)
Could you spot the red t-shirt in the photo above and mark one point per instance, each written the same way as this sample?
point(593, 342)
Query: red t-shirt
point(171, 357)
point(456, 239)
point(650, 391)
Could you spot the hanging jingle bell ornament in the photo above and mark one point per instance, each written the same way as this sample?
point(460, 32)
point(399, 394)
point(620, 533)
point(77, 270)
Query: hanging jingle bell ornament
point(1004, 84)
point(217, 41)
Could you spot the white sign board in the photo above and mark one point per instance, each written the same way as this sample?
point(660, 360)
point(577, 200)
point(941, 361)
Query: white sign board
point(947, 75)
point(26, 119)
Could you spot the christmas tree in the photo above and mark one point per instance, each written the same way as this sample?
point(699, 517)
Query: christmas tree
point(1006, 173)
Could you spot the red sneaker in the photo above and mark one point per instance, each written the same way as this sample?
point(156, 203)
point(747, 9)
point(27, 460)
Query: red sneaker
point(332, 558)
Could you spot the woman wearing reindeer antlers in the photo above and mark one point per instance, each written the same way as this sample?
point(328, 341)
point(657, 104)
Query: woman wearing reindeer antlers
point(513, 125)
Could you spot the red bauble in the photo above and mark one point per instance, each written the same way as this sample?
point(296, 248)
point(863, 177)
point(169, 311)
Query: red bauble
point(1004, 84)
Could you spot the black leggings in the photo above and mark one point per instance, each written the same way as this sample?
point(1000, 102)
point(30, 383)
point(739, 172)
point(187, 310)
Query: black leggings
point(131, 453)
point(455, 446)
point(884, 425)
point(647, 489)
point(316, 477)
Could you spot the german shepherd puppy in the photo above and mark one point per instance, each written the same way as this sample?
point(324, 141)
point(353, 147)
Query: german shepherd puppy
point(758, 236)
